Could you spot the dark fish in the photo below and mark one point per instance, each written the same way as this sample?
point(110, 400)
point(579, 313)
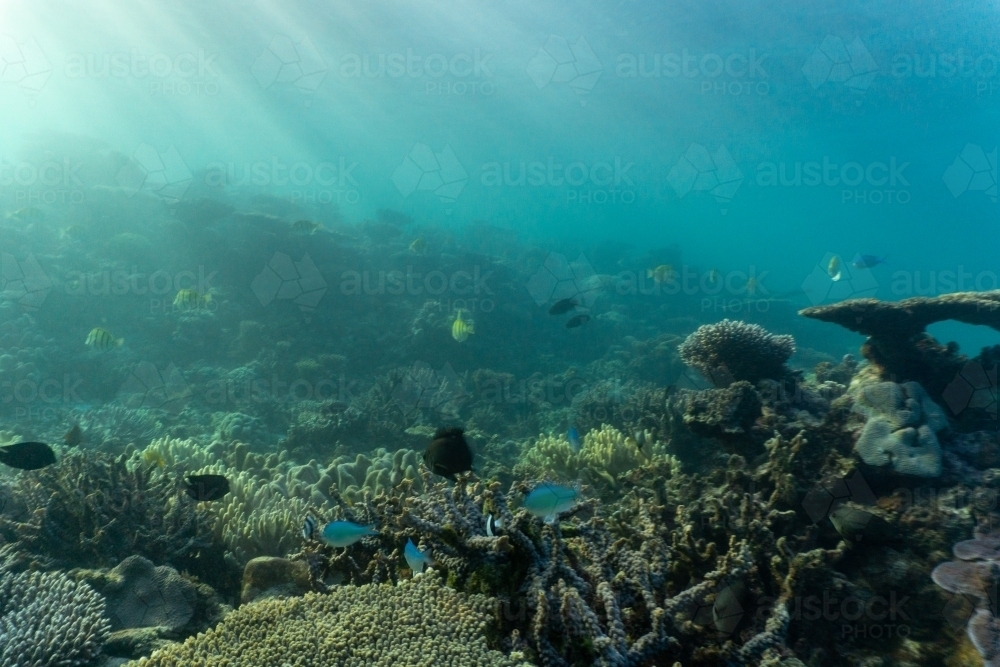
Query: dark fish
point(867, 261)
point(577, 321)
point(74, 436)
point(563, 306)
point(449, 453)
point(27, 455)
point(206, 487)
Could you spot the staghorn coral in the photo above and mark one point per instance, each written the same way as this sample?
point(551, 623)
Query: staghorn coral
point(94, 510)
point(410, 624)
point(730, 350)
point(270, 496)
point(49, 620)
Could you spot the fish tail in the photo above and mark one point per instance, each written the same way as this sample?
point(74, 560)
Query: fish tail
point(119, 342)
point(649, 273)
point(471, 328)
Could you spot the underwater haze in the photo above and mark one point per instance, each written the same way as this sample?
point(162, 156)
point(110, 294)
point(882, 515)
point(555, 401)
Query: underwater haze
point(497, 332)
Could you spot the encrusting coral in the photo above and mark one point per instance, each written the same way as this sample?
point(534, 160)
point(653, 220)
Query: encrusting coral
point(414, 623)
point(901, 428)
point(731, 350)
point(49, 620)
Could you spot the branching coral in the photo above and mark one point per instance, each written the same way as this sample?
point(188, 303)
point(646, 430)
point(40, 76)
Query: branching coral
point(93, 510)
point(731, 350)
point(414, 623)
point(605, 454)
point(49, 620)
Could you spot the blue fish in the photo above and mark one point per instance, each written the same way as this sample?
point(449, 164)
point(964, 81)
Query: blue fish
point(867, 261)
point(547, 500)
point(575, 443)
point(344, 533)
point(416, 558)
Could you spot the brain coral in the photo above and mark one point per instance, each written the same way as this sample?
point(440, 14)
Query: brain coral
point(49, 620)
point(418, 622)
point(731, 350)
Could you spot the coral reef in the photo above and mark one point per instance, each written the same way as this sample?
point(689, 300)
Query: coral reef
point(730, 350)
point(139, 595)
point(413, 623)
point(47, 619)
point(274, 577)
point(974, 578)
point(605, 454)
point(901, 428)
point(898, 344)
point(95, 510)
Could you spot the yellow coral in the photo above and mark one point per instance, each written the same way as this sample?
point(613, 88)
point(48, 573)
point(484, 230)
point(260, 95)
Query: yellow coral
point(605, 454)
point(418, 622)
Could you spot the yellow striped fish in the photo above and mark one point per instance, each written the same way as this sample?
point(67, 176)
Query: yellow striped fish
point(102, 340)
point(189, 299)
point(460, 329)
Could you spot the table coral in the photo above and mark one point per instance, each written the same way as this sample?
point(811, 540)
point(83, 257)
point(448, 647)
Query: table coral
point(898, 344)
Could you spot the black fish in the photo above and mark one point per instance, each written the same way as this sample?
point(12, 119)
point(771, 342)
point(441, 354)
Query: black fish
point(27, 455)
point(206, 487)
point(563, 306)
point(577, 321)
point(449, 453)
